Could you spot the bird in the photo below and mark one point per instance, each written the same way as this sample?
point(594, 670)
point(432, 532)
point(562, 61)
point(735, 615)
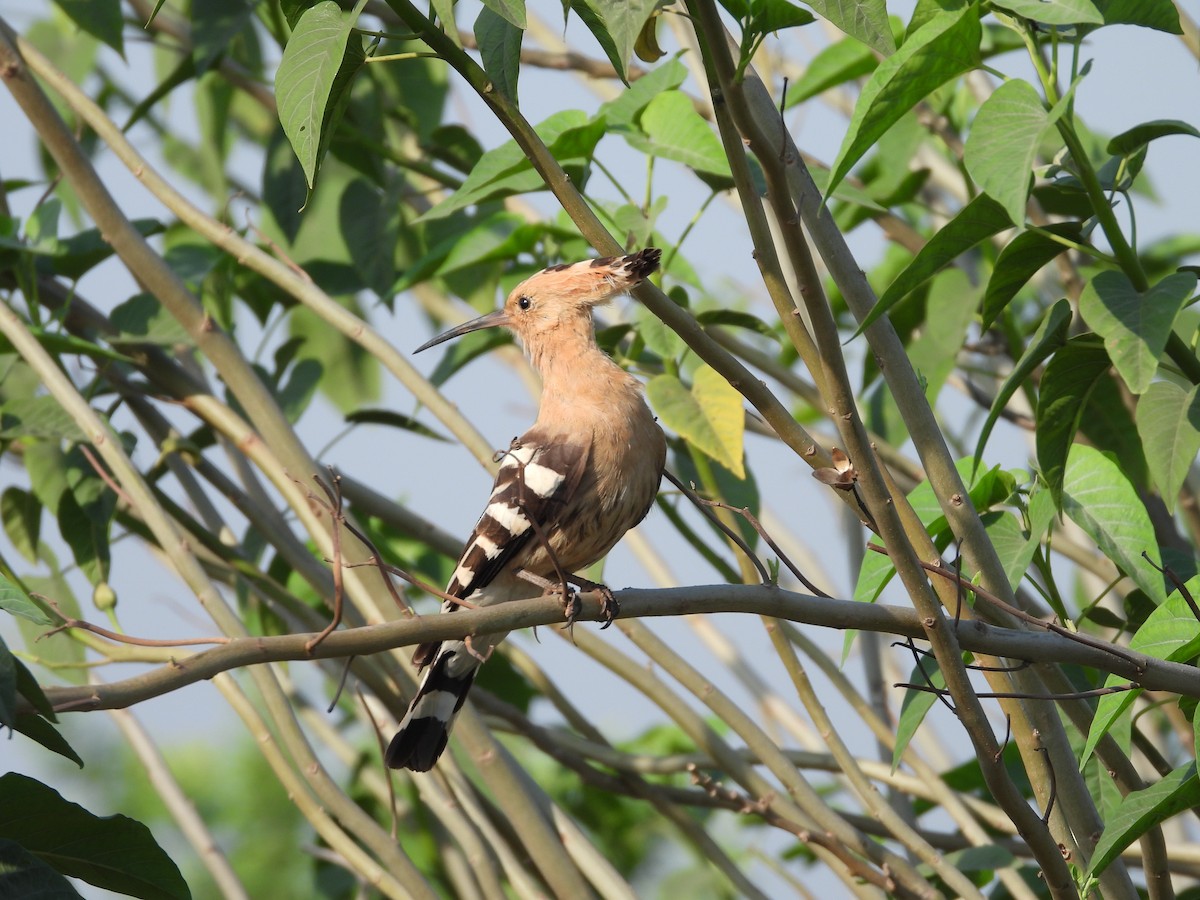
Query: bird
point(567, 489)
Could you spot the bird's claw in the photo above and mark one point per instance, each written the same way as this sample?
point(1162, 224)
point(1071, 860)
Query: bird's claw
point(610, 608)
point(571, 608)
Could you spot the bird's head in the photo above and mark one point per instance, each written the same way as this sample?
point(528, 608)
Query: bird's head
point(561, 297)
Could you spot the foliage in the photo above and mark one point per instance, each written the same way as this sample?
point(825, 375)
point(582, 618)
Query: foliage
point(1008, 370)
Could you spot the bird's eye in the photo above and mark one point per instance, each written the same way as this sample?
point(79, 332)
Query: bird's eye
point(524, 302)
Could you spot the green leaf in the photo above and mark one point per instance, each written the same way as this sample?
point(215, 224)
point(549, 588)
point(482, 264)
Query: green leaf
point(622, 111)
point(1013, 547)
point(500, 49)
point(863, 20)
point(1050, 337)
point(621, 21)
point(570, 136)
point(1100, 499)
point(975, 222)
point(916, 704)
point(28, 688)
point(85, 528)
point(304, 80)
point(674, 130)
point(444, 9)
point(940, 50)
point(74, 256)
point(39, 416)
point(1108, 425)
point(511, 11)
point(8, 686)
point(709, 417)
point(295, 395)
point(836, 64)
point(1054, 12)
point(1170, 632)
point(284, 188)
point(1021, 259)
point(949, 311)
point(393, 420)
point(13, 599)
point(1129, 142)
point(1140, 811)
point(467, 348)
point(1161, 15)
point(351, 376)
point(61, 653)
point(1135, 326)
point(60, 344)
point(1168, 422)
point(1004, 140)
point(502, 236)
point(24, 875)
point(215, 23)
point(736, 319)
point(113, 852)
point(1069, 379)
point(771, 16)
point(39, 730)
point(99, 18)
point(142, 318)
point(370, 226)
point(21, 513)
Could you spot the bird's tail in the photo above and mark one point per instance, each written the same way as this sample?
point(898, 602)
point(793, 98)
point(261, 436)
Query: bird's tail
point(426, 726)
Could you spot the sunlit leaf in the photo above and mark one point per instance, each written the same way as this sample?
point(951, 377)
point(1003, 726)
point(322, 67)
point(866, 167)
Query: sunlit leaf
point(622, 22)
point(709, 416)
point(305, 78)
point(1004, 140)
point(14, 600)
point(674, 130)
point(1054, 12)
point(836, 64)
point(975, 222)
point(1131, 141)
point(864, 20)
point(1099, 498)
point(942, 49)
point(1143, 810)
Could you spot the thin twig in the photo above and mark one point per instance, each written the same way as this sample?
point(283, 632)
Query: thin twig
point(702, 505)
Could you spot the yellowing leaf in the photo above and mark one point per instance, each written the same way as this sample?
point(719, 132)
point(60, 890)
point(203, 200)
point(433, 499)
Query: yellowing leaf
point(709, 416)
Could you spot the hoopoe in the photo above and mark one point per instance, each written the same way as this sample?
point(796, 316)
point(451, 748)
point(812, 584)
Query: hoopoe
point(567, 490)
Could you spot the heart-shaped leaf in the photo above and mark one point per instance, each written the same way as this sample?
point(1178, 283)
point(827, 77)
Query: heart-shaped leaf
point(709, 416)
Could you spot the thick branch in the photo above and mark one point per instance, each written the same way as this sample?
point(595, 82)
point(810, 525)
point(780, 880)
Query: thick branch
point(767, 600)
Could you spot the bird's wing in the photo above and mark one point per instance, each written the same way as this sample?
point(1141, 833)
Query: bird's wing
point(538, 477)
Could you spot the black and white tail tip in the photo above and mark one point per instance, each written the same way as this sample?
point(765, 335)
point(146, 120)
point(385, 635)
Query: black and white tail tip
point(423, 733)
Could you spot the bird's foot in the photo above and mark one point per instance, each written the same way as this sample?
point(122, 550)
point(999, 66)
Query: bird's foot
point(609, 607)
point(569, 599)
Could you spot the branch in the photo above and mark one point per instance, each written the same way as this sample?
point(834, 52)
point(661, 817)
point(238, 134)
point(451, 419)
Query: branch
point(975, 636)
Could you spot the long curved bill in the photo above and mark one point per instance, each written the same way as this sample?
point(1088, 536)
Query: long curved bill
point(491, 320)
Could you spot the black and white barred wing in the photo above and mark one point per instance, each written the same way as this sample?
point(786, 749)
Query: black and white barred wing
point(536, 481)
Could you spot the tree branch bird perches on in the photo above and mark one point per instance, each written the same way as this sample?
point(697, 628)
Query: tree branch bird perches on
point(568, 488)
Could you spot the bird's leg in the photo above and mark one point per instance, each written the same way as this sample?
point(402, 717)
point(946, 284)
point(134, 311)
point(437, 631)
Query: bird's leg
point(482, 657)
point(610, 607)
